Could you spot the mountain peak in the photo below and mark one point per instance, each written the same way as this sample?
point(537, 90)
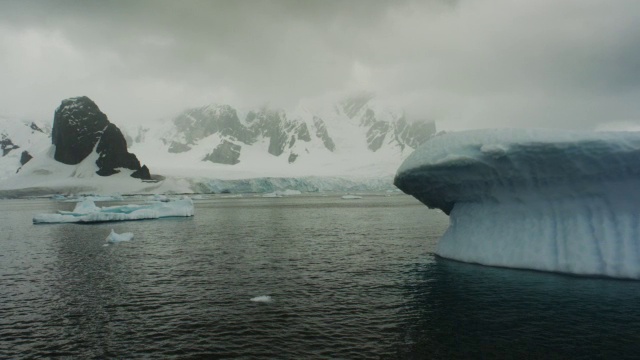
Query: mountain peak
point(79, 127)
point(352, 105)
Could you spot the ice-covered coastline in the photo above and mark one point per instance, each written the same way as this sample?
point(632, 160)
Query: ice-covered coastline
point(535, 199)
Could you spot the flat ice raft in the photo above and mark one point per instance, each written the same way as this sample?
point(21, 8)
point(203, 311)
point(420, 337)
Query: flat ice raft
point(554, 201)
point(87, 212)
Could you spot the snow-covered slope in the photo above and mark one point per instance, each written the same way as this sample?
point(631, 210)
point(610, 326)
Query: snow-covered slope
point(544, 200)
point(355, 137)
point(19, 141)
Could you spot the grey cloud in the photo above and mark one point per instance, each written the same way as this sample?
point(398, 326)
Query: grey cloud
point(466, 64)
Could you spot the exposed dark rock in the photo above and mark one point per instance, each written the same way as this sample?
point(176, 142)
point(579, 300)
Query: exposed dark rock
point(7, 145)
point(142, 173)
point(376, 134)
point(413, 134)
point(35, 127)
point(196, 124)
point(113, 154)
point(303, 132)
point(177, 147)
point(25, 157)
point(322, 133)
point(292, 157)
point(281, 132)
point(225, 153)
point(79, 126)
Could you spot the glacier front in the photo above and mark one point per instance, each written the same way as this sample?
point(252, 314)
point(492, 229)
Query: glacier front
point(562, 201)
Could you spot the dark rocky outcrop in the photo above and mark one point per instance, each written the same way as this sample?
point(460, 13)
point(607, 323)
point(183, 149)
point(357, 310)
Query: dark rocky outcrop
point(25, 157)
point(225, 153)
point(177, 147)
point(196, 124)
point(322, 133)
point(79, 126)
point(35, 127)
point(413, 134)
point(144, 174)
point(275, 126)
point(113, 154)
point(6, 145)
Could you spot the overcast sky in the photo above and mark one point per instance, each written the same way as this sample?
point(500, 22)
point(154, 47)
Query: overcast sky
point(466, 64)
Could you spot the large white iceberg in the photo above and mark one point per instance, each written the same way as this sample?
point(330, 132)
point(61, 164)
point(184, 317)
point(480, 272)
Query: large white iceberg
point(536, 199)
point(86, 211)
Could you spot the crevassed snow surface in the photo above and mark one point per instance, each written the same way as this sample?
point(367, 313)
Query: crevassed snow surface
point(87, 212)
point(535, 199)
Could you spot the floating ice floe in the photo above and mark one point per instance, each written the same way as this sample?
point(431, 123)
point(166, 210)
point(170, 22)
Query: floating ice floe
point(159, 197)
point(115, 237)
point(87, 212)
point(351, 197)
point(262, 298)
point(101, 198)
point(282, 193)
point(562, 201)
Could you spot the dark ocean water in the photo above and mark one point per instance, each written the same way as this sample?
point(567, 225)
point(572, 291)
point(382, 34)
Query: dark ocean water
point(348, 279)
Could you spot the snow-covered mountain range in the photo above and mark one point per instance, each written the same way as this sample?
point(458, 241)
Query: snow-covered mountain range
point(354, 144)
point(355, 138)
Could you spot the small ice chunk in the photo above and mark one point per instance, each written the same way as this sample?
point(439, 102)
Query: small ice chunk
point(115, 237)
point(262, 298)
point(351, 197)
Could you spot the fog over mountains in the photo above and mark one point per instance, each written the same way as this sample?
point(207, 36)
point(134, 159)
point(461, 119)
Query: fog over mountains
point(356, 140)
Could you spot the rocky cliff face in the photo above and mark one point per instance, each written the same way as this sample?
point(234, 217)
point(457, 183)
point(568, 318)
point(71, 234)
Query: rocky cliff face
point(79, 127)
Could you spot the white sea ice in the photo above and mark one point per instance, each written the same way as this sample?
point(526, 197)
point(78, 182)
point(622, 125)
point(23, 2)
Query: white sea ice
point(115, 237)
point(562, 201)
point(351, 197)
point(282, 193)
point(102, 198)
point(87, 212)
point(262, 298)
point(158, 197)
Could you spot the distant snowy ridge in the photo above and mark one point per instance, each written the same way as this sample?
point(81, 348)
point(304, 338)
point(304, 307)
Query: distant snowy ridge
point(535, 199)
point(355, 136)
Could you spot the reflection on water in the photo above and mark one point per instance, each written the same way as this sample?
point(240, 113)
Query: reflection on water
point(470, 311)
point(347, 279)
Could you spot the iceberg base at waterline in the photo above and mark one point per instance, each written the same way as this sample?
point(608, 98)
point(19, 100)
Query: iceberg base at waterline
point(87, 212)
point(534, 199)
